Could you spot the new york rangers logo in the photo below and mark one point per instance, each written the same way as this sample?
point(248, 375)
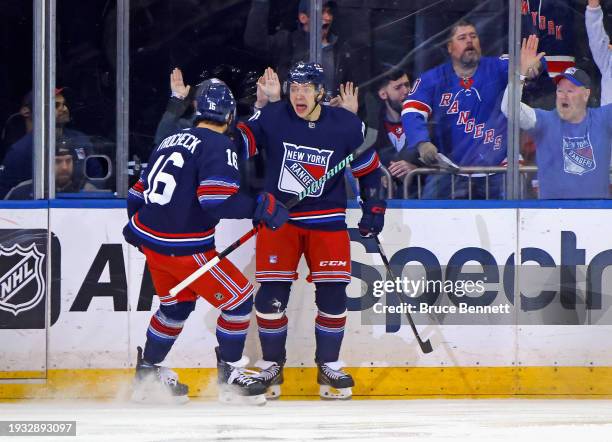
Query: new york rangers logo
point(302, 166)
point(22, 284)
point(578, 157)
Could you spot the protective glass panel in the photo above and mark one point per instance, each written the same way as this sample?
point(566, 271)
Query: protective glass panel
point(85, 100)
point(16, 101)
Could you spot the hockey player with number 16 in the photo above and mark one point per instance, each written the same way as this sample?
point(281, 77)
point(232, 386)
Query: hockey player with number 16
point(191, 183)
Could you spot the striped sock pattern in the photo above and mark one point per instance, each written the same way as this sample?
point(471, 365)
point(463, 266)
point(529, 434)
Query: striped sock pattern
point(329, 332)
point(161, 335)
point(231, 335)
point(272, 329)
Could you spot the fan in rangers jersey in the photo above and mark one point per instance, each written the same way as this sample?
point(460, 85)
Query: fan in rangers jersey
point(461, 101)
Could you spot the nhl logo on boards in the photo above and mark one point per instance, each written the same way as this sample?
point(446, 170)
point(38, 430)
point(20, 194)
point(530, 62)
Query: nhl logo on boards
point(303, 166)
point(22, 285)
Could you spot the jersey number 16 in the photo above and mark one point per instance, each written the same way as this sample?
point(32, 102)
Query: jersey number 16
point(157, 177)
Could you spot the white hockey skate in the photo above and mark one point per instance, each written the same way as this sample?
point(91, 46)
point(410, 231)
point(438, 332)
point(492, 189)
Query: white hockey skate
point(237, 385)
point(156, 384)
point(271, 375)
point(334, 383)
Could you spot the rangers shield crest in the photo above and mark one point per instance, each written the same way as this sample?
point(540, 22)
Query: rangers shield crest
point(302, 166)
point(578, 157)
point(22, 284)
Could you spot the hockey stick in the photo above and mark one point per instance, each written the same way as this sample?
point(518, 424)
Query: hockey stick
point(290, 204)
point(425, 345)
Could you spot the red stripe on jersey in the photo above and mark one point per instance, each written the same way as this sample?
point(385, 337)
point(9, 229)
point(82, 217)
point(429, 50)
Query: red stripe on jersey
point(317, 212)
point(138, 187)
point(371, 168)
point(216, 190)
point(418, 105)
point(252, 147)
point(172, 235)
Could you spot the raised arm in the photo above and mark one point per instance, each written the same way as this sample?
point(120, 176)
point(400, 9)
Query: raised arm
point(179, 102)
point(527, 118)
point(530, 58)
point(348, 98)
point(268, 88)
point(599, 41)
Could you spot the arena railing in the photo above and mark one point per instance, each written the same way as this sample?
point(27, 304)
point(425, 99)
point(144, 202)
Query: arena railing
point(469, 171)
point(352, 184)
point(389, 180)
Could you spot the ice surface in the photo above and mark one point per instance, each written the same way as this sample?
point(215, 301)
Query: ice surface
point(356, 420)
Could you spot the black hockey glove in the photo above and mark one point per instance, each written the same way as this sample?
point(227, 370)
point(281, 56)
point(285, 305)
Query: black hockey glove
point(270, 211)
point(373, 218)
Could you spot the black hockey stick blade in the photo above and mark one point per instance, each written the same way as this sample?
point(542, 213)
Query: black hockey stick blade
point(424, 345)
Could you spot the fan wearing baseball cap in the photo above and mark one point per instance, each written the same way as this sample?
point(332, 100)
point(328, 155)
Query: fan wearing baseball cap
point(573, 140)
point(573, 92)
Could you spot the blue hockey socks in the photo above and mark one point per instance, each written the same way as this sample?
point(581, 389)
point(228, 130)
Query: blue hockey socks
point(232, 326)
point(165, 326)
point(330, 320)
point(270, 305)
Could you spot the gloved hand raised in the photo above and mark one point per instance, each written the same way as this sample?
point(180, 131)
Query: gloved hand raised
point(373, 219)
point(270, 211)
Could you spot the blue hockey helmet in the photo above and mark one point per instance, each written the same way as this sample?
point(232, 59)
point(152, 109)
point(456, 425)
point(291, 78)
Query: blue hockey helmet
point(305, 73)
point(215, 101)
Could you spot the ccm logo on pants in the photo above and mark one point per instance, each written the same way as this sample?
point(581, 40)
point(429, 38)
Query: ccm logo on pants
point(332, 263)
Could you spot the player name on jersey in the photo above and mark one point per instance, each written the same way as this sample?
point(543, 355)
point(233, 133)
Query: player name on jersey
point(469, 124)
point(185, 140)
point(542, 23)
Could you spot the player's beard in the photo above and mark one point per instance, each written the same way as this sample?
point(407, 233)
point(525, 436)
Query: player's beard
point(63, 180)
point(470, 59)
point(396, 105)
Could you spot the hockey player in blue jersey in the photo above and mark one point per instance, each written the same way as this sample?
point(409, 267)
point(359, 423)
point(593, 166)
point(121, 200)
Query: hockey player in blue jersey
point(461, 100)
point(302, 141)
point(191, 183)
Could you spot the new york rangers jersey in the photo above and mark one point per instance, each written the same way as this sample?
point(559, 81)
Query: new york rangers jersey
point(553, 22)
point(299, 152)
point(465, 113)
point(178, 200)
